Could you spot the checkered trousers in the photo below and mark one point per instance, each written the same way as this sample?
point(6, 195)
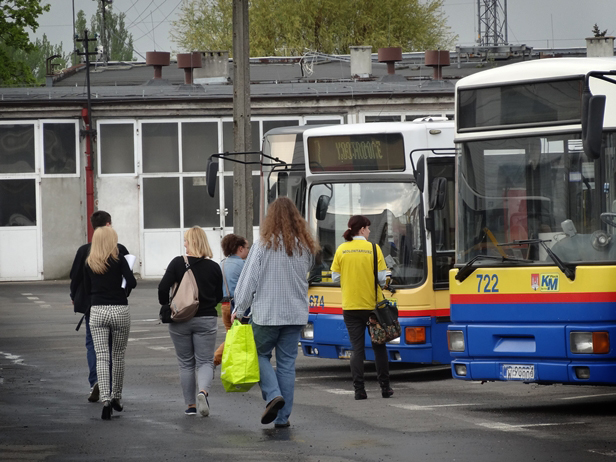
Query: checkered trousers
point(114, 319)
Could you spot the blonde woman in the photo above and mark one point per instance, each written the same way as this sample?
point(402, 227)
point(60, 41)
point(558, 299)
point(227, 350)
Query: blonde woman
point(274, 285)
point(109, 313)
point(195, 340)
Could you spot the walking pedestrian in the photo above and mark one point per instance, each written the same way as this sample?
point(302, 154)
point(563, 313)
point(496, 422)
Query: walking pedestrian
point(235, 248)
point(81, 300)
point(274, 285)
point(109, 313)
point(353, 266)
point(195, 339)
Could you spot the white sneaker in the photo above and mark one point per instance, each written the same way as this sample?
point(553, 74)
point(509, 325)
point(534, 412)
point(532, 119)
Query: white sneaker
point(202, 404)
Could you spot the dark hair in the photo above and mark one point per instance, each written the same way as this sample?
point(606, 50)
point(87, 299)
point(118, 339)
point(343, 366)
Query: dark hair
point(99, 219)
point(230, 243)
point(356, 222)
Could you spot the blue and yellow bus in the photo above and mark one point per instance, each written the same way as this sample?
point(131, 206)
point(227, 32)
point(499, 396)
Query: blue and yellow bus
point(533, 292)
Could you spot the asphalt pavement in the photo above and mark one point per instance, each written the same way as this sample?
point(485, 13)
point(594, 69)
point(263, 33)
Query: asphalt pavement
point(45, 416)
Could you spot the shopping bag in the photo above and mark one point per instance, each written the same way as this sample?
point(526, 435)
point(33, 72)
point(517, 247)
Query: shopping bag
point(240, 364)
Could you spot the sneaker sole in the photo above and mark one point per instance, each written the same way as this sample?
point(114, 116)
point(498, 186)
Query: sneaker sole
point(202, 405)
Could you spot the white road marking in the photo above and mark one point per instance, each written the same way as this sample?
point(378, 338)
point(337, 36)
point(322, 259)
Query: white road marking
point(145, 338)
point(339, 391)
point(603, 453)
point(161, 348)
point(523, 427)
point(27, 293)
point(32, 298)
point(45, 306)
point(14, 358)
point(139, 330)
point(150, 320)
point(588, 396)
point(429, 407)
point(39, 301)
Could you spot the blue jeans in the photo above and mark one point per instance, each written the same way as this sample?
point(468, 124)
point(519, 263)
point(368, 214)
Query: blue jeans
point(279, 382)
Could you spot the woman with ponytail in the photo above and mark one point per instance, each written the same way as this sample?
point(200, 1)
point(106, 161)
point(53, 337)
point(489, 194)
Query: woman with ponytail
point(353, 267)
point(109, 313)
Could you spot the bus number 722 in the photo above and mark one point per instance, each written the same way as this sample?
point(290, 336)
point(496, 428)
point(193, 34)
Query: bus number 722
point(489, 281)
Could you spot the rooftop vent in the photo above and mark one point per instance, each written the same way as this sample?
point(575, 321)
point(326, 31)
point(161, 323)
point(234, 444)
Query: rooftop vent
point(361, 62)
point(188, 62)
point(390, 56)
point(437, 59)
point(157, 59)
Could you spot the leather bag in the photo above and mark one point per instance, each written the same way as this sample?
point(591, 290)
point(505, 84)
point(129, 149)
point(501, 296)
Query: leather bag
point(383, 324)
point(185, 300)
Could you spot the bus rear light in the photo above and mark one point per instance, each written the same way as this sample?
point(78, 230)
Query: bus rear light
point(589, 342)
point(308, 331)
point(455, 340)
point(415, 335)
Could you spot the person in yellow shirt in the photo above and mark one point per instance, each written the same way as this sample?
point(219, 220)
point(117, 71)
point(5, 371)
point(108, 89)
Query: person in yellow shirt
point(353, 266)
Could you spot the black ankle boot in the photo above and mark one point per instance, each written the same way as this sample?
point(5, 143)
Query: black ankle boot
point(386, 390)
point(360, 393)
point(107, 411)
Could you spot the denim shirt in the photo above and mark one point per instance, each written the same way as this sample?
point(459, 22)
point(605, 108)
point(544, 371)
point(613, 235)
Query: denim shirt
point(232, 266)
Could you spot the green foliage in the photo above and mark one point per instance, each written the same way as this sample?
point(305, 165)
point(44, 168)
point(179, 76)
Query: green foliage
point(597, 32)
point(290, 27)
point(117, 39)
point(36, 60)
point(16, 17)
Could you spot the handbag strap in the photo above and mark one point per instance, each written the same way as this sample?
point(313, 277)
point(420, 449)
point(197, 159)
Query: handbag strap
point(224, 278)
point(376, 276)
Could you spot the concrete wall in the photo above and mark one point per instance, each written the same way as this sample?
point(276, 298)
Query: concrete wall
point(63, 224)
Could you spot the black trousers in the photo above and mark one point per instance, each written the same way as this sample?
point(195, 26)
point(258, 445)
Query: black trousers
point(355, 321)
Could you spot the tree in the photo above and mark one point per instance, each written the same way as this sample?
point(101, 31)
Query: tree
point(117, 39)
point(283, 27)
point(36, 60)
point(16, 16)
point(597, 32)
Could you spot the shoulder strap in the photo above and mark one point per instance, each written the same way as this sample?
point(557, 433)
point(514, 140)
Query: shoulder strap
point(376, 277)
point(224, 278)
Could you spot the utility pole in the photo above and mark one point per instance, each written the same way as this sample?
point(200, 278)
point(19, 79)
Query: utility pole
point(242, 174)
point(88, 132)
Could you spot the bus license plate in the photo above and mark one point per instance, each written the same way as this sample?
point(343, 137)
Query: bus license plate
point(345, 354)
point(518, 371)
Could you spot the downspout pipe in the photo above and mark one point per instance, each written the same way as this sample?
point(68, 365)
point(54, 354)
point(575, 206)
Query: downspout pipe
point(85, 114)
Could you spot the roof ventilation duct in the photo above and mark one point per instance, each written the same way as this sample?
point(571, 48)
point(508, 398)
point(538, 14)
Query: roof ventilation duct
point(437, 59)
point(188, 62)
point(390, 56)
point(157, 59)
point(361, 62)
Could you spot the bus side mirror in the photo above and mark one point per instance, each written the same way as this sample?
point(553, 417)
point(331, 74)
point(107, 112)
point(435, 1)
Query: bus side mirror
point(283, 184)
point(322, 206)
point(438, 193)
point(420, 173)
point(211, 173)
point(593, 110)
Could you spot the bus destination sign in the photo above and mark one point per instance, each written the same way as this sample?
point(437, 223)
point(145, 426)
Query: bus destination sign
point(356, 153)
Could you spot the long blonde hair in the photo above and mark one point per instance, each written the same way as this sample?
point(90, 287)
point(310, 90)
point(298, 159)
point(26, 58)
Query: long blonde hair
point(198, 245)
point(104, 245)
point(285, 229)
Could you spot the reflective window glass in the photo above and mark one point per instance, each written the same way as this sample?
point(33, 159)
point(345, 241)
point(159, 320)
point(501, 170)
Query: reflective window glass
point(199, 141)
point(117, 148)
point(16, 148)
point(18, 202)
point(199, 208)
point(160, 147)
point(161, 203)
point(59, 148)
point(256, 193)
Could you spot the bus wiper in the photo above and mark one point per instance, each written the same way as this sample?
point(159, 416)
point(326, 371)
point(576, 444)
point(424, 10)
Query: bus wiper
point(568, 269)
point(468, 269)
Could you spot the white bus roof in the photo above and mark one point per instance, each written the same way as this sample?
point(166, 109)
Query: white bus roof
point(542, 69)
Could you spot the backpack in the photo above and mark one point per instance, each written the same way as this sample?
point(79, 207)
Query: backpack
point(185, 300)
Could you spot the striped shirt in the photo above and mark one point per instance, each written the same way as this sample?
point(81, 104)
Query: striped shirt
point(275, 286)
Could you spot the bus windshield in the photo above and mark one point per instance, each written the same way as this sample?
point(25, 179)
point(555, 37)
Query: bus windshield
point(540, 188)
point(394, 210)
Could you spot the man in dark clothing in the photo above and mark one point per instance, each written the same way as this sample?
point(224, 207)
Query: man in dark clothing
point(81, 299)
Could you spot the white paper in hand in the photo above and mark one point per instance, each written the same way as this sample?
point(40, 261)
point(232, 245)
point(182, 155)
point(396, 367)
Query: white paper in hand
point(130, 259)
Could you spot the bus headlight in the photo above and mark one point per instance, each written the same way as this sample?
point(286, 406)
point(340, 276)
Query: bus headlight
point(589, 342)
point(455, 340)
point(308, 331)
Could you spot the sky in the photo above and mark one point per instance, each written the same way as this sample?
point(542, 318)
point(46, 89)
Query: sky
point(536, 23)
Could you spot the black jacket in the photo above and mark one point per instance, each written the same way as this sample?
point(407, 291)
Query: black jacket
point(106, 288)
point(209, 281)
point(79, 296)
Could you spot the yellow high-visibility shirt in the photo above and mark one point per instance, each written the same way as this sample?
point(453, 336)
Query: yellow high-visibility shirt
point(354, 261)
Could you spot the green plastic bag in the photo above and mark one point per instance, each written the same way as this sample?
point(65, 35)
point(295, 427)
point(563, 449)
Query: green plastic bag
point(240, 364)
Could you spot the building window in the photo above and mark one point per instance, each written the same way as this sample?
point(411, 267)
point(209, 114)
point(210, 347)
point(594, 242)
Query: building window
point(117, 148)
point(256, 194)
point(199, 208)
point(199, 142)
point(17, 148)
point(161, 203)
point(60, 148)
point(228, 144)
point(18, 202)
point(160, 147)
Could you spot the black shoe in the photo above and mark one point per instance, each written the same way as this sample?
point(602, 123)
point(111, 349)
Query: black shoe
point(287, 424)
point(107, 411)
point(94, 393)
point(361, 394)
point(271, 410)
point(386, 391)
point(116, 404)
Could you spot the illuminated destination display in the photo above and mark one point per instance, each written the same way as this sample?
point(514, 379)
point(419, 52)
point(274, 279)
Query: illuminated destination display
point(360, 153)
